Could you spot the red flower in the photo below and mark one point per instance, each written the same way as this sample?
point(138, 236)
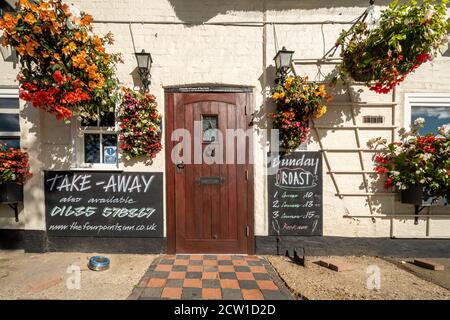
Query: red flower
point(381, 159)
point(58, 77)
point(389, 183)
point(380, 169)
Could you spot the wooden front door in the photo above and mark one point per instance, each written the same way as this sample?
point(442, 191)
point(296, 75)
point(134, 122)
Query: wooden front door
point(209, 201)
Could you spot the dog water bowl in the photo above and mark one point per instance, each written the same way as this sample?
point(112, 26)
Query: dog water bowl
point(98, 263)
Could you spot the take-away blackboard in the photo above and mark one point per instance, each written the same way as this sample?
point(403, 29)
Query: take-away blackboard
point(295, 194)
point(104, 204)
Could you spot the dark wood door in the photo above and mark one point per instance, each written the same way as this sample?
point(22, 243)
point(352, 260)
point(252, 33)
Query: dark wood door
point(210, 199)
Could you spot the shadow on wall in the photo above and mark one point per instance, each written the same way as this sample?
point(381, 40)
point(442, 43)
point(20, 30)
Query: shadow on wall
point(188, 10)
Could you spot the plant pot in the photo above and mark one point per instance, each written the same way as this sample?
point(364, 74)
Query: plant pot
point(11, 192)
point(357, 74)
point(421, 196)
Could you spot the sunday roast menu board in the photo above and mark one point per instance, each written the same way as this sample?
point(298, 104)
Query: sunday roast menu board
point(295, 194)
point(108, 204)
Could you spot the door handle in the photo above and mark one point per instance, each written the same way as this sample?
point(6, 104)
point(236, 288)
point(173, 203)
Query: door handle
point(180, 166)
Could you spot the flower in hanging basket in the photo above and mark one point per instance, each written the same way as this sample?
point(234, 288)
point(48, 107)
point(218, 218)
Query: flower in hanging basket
point(64, 66)
point(140, 125)
point(297, 101)
point(416, 160)
point(14, 165)
point(405, 37)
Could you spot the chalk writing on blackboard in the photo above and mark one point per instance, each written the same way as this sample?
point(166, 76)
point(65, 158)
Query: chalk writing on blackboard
point(295, 194)
point(104, 204)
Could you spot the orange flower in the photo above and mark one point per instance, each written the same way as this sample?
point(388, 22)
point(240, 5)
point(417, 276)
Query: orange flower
point(24, 4)
point(86, 20)
point(31, 46)
point(66, 51)
point(37, 29)
point(72, 46)
point(57, 56)
point(66, 10)
point(321, 92)
point(79, 61)
point(30, 19)
point(21, 49)
point(77, 36)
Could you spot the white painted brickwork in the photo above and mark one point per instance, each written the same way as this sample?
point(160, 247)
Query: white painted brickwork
point(198, 53)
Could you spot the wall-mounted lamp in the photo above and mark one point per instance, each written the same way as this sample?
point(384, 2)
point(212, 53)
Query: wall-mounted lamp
point(144, 61)
point(283, 61)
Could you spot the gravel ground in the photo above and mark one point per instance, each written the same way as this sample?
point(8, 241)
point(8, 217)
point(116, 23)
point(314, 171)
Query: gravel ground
point(318, 283)
point(46, 273)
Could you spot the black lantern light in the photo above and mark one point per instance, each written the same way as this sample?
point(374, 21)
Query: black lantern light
point(283, 61)
point(144, 61)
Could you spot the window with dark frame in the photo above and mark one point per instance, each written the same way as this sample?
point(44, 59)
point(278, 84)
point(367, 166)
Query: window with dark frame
point(9, 121)
point(100, 140)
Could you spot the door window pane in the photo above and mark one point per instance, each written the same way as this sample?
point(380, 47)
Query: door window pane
point(9, 122)
point(209, 125)
point(92, 148)
point(434, 117)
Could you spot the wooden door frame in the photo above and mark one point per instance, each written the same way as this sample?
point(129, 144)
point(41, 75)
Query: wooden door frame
point(169, 120)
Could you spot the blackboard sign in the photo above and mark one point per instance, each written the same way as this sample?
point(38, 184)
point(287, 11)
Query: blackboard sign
point(104, 204)
point(295, 194)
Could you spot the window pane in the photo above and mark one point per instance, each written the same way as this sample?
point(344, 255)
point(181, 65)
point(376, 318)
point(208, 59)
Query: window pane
point(86, 122)
point(10, 142)
point(209, 124)
point(108, 119)
point(9, 103)
point(9, 122)
point(92, 148)
point(434, 117)
point(109, 148)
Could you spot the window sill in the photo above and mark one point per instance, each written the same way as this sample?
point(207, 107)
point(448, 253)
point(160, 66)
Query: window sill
point(98, 167)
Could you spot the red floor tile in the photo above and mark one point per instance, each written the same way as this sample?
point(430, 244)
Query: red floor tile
point(267, 285)
point(210, 275)
point(211, 293)
point(240, 263)
point(194, 268)
point(252, 294)
point(181, 262)
point(177, 275)
point(210, 262)
point(229, 284)
point(245, 276)
point(192, 283)
point(171, 293)
point(163, 267)
point(226, 269)
point(156, 283)
point(258, 269)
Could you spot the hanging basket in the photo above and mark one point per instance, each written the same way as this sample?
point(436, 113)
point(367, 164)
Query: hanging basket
point(356, 73)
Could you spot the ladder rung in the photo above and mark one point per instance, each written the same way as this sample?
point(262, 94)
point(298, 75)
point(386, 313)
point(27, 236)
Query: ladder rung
point(353, 150)
point(356, 127)
point(369, 194)
point(353, 172)
point(363, 104)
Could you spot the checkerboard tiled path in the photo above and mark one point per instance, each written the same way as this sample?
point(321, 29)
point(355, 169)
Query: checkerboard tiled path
point(227, 277)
